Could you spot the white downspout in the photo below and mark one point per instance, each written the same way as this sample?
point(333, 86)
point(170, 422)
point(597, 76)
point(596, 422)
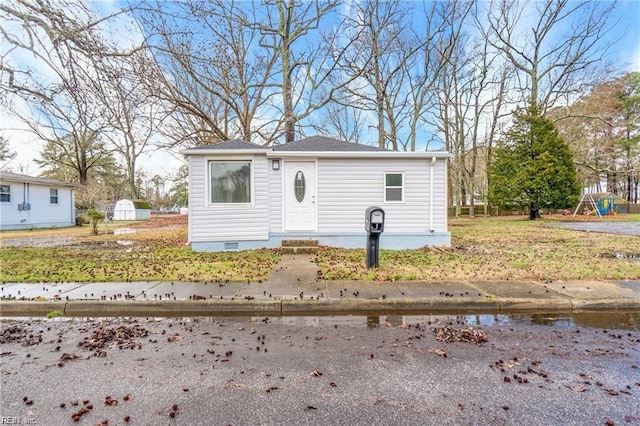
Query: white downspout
point(433, 162)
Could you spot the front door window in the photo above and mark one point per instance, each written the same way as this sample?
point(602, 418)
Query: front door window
point(299, 186)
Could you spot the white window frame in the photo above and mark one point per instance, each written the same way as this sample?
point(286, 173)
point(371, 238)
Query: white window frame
point(51, 196)
point(7, 193)
point(237, 160)
point(384, 183)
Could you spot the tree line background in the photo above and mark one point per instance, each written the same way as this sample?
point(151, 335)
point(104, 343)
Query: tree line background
point(101, 90)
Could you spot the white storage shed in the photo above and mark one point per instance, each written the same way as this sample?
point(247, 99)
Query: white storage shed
point(132, 210)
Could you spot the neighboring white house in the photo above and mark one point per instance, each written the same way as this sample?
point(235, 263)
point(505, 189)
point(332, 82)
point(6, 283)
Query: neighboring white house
point(131, 210)
point(244, 196)
point(29, 202)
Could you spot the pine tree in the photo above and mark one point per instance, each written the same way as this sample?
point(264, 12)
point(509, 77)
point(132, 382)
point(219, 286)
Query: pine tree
point(533, 167)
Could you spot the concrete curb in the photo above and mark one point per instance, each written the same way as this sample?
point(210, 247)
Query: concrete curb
point(529, 305)
point(173, 308)
point(30, 308)
point(294, 307)
point(607, 304)
point(386, 307)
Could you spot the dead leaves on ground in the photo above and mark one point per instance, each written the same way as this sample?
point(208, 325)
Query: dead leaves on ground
point(449, 334)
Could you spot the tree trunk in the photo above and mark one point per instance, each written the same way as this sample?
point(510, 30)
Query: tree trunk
point(534, 212)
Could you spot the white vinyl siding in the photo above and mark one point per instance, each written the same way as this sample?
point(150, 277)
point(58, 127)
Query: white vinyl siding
point(39, 213)
point(227, 222)
point(341, 207)
point(276, 199)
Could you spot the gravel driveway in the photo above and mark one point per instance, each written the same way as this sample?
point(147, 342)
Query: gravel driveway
point(628, 228)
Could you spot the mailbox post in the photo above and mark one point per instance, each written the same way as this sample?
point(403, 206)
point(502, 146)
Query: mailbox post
point(374, 225)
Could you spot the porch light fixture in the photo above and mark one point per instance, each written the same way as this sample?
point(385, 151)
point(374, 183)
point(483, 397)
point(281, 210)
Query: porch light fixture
point(275, 164)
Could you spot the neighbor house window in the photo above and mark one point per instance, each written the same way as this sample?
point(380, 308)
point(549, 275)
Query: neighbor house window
point(393, 187)
point(230, 181)
point(53, 196)
point(5, 193)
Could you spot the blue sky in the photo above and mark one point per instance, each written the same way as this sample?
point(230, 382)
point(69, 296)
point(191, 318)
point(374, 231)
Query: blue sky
point(629, 31)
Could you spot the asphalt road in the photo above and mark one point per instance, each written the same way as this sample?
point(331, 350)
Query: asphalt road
point(317, 371)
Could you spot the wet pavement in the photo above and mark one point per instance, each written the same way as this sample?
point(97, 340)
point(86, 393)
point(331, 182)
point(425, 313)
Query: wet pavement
point(538, 370)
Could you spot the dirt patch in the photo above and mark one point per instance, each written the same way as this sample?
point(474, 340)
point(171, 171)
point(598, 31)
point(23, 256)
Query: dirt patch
point(161, 221)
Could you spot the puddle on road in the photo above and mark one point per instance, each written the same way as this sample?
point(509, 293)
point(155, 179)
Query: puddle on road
point(603, 320)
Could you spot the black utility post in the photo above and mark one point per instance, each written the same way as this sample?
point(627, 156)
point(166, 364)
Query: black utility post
point(374, 225)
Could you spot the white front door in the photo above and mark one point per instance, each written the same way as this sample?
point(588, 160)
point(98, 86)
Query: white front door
point(299, 196)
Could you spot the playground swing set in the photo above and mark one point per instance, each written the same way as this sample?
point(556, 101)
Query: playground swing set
point(603, 205)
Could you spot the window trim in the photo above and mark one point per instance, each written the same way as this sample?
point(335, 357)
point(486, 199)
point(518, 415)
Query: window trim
point(7, 193)
point(251, 162)
point(57, 196)
point(385, 186)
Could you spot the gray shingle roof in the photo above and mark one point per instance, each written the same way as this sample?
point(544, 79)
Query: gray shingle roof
point(233, 144)
point(321, 143)
point(16, 177)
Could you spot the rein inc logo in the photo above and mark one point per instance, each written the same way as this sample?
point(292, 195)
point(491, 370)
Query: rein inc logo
point(9, 420)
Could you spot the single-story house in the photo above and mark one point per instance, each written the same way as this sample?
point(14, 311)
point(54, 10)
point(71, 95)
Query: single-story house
point(132, 210)
point(245, 196)
point(29, 202)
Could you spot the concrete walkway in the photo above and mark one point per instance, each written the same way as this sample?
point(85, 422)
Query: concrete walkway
point(296, 288)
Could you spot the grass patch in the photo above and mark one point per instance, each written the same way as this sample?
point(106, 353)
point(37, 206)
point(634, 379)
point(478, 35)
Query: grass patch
point(54, 314)
point(154, 255)
point(500, 249)
point(504, 248)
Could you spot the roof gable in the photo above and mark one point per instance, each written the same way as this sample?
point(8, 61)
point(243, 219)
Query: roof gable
point(321, 143)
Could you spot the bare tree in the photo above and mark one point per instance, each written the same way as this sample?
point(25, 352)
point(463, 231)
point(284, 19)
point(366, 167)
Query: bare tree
point(443, 29)
point(239, 69)
point(215, 71)
point(68, 49)
point(342, 122)
point(383, 51)
point(552, 44)
point(308, 57)
point(133, 116)
point(602, 128)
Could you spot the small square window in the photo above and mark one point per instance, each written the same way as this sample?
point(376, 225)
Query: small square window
point(5, 193)
point(230, 182)
point(53, 196)
point(393, 187)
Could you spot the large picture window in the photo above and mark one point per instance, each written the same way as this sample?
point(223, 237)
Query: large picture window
point(393, 187)
point(5, 193)
point(53, 196)
point(230, 181)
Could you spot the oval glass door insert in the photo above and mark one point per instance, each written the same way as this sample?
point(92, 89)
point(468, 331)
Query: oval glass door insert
point(299, 186)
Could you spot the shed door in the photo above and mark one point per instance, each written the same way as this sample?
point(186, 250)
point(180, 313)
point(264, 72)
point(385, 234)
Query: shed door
point(299, 196)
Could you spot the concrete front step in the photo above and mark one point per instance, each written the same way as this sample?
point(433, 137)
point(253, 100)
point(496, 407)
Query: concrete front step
point(299, 243)
point(300, 250)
